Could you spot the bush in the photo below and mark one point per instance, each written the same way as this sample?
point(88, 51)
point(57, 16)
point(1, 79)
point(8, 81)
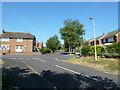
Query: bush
point(85, 50)
point(45, 50)
point(108, 51)
point(99, 49)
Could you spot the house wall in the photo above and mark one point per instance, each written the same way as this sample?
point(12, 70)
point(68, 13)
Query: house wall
point(118, 38)
point(39, 44)
point(13, 42)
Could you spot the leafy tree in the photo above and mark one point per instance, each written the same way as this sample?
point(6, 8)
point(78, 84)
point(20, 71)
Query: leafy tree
point(53, 43)
point(72, 33)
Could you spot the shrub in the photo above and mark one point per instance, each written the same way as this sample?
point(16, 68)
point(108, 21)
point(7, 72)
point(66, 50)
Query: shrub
point(85, 50)
point(108, 51)
point(99, 50)
point(44, 50)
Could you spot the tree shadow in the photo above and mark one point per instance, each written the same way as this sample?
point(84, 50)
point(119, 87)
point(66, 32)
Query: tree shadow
point(65, 53)
point(65, 80)
point(23, 78)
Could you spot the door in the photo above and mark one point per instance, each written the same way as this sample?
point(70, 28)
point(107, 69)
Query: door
point(18, 48)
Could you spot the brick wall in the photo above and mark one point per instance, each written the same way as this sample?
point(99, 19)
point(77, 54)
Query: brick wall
point(39, 44)
point(13, 42)
point(118, 38)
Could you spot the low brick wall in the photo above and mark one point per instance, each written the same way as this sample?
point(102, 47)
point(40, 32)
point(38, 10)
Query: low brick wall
point(25, 53)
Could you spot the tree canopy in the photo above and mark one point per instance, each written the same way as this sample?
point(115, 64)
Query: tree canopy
point(72, 32)
point(53, 43)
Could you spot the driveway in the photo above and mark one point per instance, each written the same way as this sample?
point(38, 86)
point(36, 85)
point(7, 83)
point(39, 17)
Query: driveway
point(55, 73)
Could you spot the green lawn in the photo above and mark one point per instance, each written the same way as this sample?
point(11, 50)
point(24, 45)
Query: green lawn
point(102, 63)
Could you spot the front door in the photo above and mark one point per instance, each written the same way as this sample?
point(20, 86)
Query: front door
point(18, 48)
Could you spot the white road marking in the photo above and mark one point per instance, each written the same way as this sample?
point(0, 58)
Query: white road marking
point(75, 72)
point(43, 61)
point(20, 58)
point(67, 69)
point(39, 59)
point(39, 74)
point(13, 58)
point(31, 69)
point(34, 58)
point(57, 59)
point(27, 58)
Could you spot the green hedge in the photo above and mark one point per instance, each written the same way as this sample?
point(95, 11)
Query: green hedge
point(112, 50)
point(99, 49)
point(45, 50)
point(85, 50)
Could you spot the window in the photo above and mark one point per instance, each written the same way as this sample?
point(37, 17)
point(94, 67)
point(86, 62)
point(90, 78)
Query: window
point(24, 47)
point(110, 39)
point(5, 39)
point(18, 46)
point(5, 47)
point(104, 40)
point(19, 39)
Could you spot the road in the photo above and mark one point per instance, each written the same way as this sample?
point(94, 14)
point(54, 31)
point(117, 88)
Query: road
point(54, 73)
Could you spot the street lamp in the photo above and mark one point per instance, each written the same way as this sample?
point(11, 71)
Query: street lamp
point(94, 37)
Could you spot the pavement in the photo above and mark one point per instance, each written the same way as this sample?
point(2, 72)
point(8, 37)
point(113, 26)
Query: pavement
point(48, 71)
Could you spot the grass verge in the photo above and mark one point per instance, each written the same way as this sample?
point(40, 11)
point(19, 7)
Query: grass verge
point(108, 64)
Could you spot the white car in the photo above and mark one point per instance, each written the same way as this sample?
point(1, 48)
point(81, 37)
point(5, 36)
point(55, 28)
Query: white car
point(77, 53)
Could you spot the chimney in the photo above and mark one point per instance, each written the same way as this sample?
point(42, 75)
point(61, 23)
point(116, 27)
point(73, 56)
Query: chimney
point(3, 31)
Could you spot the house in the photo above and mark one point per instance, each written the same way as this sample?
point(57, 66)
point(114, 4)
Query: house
point(17, 42)
point(39, 44)
point(111, 37)
point(98, 40)
point(106, 39)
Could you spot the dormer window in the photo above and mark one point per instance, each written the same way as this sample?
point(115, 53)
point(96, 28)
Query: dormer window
point(19, 40)
point(5, 39)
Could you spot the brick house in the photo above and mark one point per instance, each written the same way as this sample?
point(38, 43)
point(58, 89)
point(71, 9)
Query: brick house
point(111, 37)
point(39, 44)
point(106, 39)
point(17, 42)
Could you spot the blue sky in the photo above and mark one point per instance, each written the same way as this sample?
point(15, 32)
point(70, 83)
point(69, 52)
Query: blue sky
point(44, 19)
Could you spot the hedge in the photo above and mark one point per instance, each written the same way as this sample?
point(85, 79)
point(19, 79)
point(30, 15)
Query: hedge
point(112, 50)
point(44, 50)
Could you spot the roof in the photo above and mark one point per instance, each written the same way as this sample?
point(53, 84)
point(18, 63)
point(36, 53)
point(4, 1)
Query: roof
point(110, 34)
point(100, 37)
point(97, 38)
point(17, 35)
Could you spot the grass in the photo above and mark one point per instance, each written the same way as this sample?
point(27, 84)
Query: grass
point(109, 64)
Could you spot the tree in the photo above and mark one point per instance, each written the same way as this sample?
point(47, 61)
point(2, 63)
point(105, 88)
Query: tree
point(72, 33)
point(53, 43)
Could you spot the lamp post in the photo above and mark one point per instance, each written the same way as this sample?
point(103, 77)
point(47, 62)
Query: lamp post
point(94, 37)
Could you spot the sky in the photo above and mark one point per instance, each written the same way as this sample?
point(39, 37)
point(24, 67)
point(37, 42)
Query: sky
point(44, 19)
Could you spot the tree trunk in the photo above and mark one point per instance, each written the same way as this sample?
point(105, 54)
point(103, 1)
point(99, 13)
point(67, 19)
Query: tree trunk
point(69, 49)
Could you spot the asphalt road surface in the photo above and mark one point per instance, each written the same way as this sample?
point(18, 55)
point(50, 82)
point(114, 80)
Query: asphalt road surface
point(47, 71)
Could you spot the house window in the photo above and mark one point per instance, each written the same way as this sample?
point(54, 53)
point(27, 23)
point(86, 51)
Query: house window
point(5, 39)
point(104, 40)
point(19, 39)
point(5, 47)
point(110, 39)
point(24, 47)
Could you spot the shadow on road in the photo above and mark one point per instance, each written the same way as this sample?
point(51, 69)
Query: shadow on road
point(24, 79)
point(64, 53)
